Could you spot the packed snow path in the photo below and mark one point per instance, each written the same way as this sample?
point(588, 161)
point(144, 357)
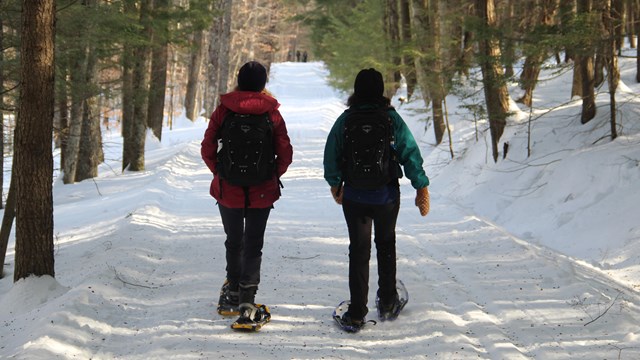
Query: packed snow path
point(140, 259)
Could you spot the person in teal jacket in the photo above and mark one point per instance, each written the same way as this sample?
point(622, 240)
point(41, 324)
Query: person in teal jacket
point(364, 208)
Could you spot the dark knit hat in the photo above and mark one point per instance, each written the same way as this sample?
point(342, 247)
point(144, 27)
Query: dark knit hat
point(252, 77)
point(369, 84)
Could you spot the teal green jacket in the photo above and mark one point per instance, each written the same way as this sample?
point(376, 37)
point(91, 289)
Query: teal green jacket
point(407, 151)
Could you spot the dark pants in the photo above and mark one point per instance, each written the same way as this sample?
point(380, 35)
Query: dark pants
point(359, 218)
point(245, 237)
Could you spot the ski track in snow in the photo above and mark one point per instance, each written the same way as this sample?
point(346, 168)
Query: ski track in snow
point(140, 265)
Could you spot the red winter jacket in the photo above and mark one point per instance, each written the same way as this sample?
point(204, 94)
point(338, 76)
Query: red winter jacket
point(247, 102)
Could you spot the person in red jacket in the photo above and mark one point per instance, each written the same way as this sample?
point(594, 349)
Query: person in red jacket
point(245, 212)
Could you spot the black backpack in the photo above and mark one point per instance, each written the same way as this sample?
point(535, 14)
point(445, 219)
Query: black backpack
point(368, 153)
point(247, 156)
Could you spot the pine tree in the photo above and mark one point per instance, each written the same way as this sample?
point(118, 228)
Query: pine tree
point(33, 139)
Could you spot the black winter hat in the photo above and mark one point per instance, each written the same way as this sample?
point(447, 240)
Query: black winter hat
point(369, 84)
point(252, 77)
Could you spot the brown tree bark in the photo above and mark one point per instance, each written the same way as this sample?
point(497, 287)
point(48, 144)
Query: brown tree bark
point(218, 56)
point(1, 119)
point(426, 29)
point(392, 31)
point(567, 10)
point(542, 16)
point(586, 68)
point(135, 141)
point(77, 87)
point(61, 122)
point(495, 90)
point(224, 73)
point(630, 23)
point(159, 65)
point(612, 22)
point(33, 139)
point(636, 27)
point(408, 65)
point(7, 222)
point(509, 52)
point(191, 102)
point(90, 145)
point(211, 93)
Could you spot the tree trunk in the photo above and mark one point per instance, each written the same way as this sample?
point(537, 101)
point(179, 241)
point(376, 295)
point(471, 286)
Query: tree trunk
point(611, 24)
point(61, 122)
point(630, 25)
point(159, 61)
point(392, 31)
point(211, 93)
point(419, 34)
point(599, 64)
point(7, 222)
point(567, 14)
point(576, 88)
point(542, 16)
point(587, 89)
point(495, 90)
point(585, 59)
point(33, 139)
point(90, 135)
point(225, 48)
point(439, 126)
point(1, 120)
point(617, 17)
point(529, 77)
point(191, 103)
point(220, 38)
point(429, 67)
point(408, 67)
point(77, 81)
point(140, 87)
point(437, 81)
point(509, 42)
point(636, 27)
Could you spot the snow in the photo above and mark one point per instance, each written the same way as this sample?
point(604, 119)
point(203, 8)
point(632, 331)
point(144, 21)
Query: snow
point(530, 258)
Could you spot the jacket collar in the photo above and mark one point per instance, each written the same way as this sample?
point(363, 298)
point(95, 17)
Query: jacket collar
point(249, 102)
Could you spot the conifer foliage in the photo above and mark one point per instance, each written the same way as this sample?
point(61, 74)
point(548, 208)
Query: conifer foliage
point(435, 43)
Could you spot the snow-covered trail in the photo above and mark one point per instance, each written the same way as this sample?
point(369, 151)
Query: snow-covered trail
point(139, 266)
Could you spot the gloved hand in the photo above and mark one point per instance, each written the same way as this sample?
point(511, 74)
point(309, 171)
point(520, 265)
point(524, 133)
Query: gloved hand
point(422, 200)
point(336, 192)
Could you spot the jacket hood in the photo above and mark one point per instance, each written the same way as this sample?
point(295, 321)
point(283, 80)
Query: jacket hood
point(249, 102)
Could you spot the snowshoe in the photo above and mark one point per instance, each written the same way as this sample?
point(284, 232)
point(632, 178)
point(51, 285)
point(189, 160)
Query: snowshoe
point(228, 302)
point(252, 317)
point(391, 311)
point(345, 322)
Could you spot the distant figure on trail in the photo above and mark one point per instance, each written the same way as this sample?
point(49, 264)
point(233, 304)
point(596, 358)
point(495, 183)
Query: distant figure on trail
point(362, 157)
point(304, 56)
point(245, 194)
point(298, 55)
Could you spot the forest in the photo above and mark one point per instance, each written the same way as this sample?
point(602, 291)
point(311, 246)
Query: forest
point(71, 68)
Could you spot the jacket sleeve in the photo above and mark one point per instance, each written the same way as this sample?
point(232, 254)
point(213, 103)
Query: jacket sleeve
point(282, 144)
point(333, 153)
point(408, 152)
point(209, 145)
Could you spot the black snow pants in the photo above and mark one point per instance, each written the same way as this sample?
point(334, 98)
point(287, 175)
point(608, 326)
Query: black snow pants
point(359, 218)
point(245, 230)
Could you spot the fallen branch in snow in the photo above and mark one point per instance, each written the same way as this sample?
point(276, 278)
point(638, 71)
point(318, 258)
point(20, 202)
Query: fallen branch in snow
point(129, 283)
point(620, 349)
point(96, 184)
point(299, 258)
point(605, 310)
point(632, 160)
